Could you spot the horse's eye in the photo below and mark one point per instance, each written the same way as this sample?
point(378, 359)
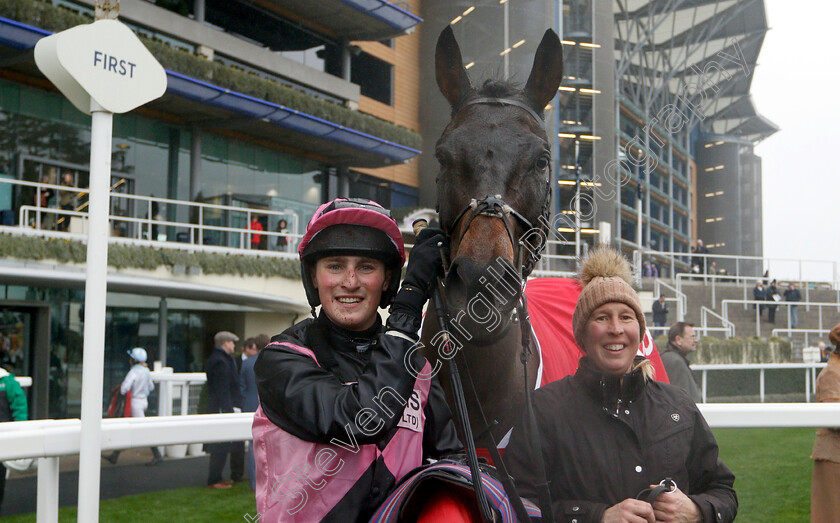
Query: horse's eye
point(542, 163)
point(441, 158)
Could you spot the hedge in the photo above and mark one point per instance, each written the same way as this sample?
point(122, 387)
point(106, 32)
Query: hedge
point(42, 14)
point(148, 258)
point(737, 350)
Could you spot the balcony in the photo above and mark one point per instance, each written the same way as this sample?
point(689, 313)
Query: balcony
point(352, 19)
point(226, 99)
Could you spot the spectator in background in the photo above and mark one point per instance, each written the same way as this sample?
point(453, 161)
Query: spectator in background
point(256, 238)
point(681, 341)
point(793, 294)
point(250, 396)
point(66, 200)
point(699, 261)
point(44, 198)
point(646, 269)
point(138, 383)
point(654, 270)
point(713, 267)
point(224, 396)
point(660, 312)
point(772, 296)
point(824, 352)
point(759, 294)
point(282, 241)
point(825, 481)
point(13, 407)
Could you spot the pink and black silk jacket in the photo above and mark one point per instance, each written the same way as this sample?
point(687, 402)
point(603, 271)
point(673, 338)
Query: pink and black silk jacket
point(341, 421)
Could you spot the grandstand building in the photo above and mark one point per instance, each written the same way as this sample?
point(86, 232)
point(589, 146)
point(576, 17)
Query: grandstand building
point(655, 112)
point(271, 108)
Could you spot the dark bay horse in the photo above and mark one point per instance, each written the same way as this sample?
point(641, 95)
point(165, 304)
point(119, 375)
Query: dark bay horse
point(493, 191)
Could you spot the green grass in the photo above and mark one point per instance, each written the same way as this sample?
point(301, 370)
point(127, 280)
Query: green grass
point(192, 504)
point(771, 466)
point(772, 472)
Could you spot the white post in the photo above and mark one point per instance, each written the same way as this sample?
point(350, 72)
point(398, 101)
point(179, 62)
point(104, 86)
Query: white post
point(47, 503)
point(761, 384)
point(94, 330)
point(807, 386)
point(185, 398)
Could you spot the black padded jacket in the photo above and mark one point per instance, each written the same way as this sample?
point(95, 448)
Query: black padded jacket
point(313, 402)
point(605, 439)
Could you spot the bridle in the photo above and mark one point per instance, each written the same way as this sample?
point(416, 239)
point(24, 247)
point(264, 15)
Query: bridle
point(495, 207)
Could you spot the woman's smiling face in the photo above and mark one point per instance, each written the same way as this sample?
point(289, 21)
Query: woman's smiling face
point(350, 288)
point(612, 338)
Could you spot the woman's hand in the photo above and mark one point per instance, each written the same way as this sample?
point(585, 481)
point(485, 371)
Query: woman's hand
point(676, 507)
point(629, 511)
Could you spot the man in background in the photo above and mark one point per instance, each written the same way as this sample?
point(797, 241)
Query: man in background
point(223, 396)
point(793, 294)
point(250, 397)
point(660, 312)
point(681, 340)
point(13, 407)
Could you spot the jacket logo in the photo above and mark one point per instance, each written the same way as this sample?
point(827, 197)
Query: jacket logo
point(675, 417)
point(412, 417)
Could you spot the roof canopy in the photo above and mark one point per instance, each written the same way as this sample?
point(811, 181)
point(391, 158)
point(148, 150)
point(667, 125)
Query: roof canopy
point(697, 55)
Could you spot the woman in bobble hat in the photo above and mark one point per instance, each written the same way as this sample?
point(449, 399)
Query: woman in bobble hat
point(825, 482)
point(611, 434)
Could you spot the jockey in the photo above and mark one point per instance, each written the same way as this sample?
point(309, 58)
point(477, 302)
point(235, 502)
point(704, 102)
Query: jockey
point(343, 415)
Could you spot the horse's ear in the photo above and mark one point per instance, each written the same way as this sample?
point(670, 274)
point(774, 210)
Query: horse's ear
point(547, 72)
point(451, 76)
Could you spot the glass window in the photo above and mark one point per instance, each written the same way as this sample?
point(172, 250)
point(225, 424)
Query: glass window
point(374, 77)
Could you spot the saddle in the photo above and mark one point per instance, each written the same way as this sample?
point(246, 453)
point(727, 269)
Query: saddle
point(421, 485)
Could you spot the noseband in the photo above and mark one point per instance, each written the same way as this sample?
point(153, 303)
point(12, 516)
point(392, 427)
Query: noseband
point(495, 206)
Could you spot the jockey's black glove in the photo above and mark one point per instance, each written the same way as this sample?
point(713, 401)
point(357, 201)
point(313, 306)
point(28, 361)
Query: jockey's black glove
point(424, 265)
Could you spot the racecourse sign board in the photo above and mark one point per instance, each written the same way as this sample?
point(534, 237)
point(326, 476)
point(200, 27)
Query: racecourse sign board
point(103, 61)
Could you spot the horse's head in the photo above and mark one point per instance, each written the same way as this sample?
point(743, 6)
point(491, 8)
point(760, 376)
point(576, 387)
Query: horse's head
point(493, 186)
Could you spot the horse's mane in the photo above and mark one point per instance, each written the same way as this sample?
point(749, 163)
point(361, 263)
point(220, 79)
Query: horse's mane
point(498, 88)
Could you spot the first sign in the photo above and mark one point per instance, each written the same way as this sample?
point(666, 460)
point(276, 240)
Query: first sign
point(104, 62)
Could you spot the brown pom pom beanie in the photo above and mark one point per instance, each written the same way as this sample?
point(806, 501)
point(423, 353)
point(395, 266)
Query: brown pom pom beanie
point(605, 276)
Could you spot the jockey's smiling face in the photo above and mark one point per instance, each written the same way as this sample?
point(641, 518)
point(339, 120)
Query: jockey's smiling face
point(350, 288)
point(612, 338)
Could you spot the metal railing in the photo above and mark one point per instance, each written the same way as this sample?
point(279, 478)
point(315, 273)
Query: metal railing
point(810, 370)
point(728, 327)
point(763, 303)
point(175, 385)
point(556, 265)
point(830, 267)
point(192, 231)
point(748, 282)
point(47, 440)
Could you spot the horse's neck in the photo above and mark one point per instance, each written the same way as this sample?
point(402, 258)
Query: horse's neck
point(496, 372)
